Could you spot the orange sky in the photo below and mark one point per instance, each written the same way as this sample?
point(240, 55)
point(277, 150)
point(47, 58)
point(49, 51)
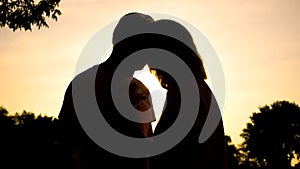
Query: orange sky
point(257, 43)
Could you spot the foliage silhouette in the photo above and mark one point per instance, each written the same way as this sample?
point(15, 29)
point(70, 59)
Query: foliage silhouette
point(23, 14)
point(26, 141)
point(272, 138)
point(233, 154)
point(237, 159)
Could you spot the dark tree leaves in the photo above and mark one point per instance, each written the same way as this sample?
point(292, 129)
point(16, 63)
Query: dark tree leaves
point(23, 14)
point(272, 139)
point(27, 141)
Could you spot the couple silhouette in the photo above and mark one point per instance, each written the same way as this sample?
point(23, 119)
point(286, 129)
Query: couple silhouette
point(136, 32)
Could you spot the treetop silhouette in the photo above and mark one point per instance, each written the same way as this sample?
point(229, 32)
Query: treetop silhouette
point(272, 138)
point(23, 14)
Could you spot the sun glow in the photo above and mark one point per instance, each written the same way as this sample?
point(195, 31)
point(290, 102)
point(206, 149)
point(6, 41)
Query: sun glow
point(157, 92)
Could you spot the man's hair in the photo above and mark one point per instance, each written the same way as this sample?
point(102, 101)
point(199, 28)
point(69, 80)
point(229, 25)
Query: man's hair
point(131, 24)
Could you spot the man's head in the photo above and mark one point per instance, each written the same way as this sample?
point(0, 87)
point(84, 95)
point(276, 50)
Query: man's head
point(131, 24)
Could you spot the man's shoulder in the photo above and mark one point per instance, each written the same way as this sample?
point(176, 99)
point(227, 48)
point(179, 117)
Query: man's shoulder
point(88, 72)
point(92, 72)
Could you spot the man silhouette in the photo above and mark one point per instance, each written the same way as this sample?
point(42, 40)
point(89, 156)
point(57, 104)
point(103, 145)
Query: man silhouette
point(74, 147)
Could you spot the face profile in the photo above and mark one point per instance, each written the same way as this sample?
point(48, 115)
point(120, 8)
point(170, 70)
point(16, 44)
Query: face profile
point(139, 95)
point(140, 98)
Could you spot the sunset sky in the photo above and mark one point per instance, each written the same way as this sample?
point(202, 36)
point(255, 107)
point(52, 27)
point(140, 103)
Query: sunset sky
point(257, 41)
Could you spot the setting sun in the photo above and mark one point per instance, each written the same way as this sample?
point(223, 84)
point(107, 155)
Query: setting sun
point(157, 92)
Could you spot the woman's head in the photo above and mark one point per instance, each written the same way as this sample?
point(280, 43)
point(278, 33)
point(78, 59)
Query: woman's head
point(177, 31)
